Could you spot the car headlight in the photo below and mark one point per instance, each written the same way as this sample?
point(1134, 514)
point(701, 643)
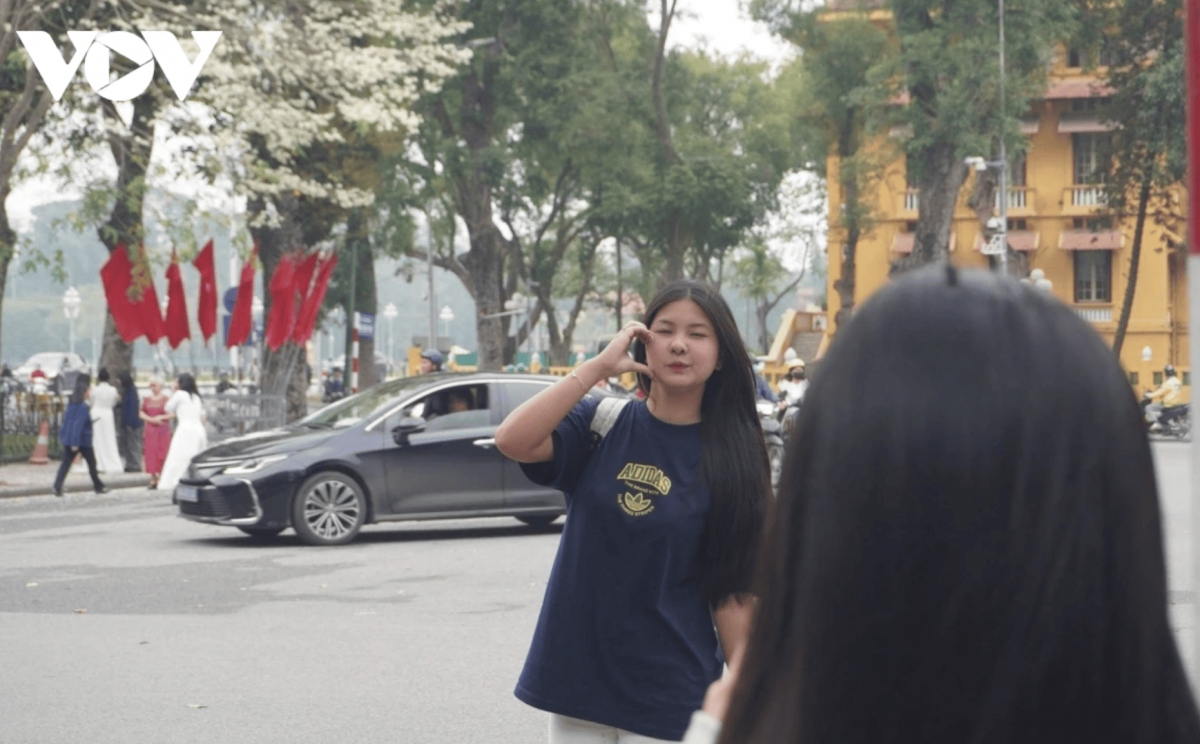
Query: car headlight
point(253, 465)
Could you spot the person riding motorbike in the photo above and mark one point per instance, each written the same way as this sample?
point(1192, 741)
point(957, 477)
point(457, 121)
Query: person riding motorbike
point(431, 361)
point(793, 387)
point(1171, 395)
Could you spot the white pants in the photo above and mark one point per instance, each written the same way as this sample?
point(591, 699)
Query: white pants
point(567, 730)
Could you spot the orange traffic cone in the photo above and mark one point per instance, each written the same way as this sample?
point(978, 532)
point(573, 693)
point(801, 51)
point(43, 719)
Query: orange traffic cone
point(41, 451)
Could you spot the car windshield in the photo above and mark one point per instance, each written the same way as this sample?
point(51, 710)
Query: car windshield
point(350, 411)
point(45, 359)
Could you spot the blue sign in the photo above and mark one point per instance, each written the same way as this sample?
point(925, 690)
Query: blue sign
point(366, 326)
point(230, 298)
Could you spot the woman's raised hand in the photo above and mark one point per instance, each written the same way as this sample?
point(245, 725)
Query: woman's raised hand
point(615, 359)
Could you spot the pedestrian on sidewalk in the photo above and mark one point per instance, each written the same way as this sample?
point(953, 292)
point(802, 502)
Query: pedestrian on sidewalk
point(103, 400)
point(130, 439)
point(665, 503)
point(967, 542)
point(186, 407)
point(157, 431)
point(75, 433)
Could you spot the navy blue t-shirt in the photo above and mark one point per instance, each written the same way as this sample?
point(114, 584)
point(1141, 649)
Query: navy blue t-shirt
point(625, 637)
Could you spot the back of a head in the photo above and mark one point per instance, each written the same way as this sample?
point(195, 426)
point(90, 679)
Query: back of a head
point(187, 384)
point(966, 545)
point(102, 375)
point(82, 382)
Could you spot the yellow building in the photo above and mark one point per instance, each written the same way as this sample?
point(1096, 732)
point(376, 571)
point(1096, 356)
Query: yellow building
point(1053, 212)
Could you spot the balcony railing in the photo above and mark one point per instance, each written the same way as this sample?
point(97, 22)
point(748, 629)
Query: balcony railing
point(1095, 314)
point(1019, 197)
point(912, 200)
point(1087, 196)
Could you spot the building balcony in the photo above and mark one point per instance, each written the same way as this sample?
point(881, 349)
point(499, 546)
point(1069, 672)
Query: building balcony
point(1020, 201)
point(1083, 199)
point(1095, 314)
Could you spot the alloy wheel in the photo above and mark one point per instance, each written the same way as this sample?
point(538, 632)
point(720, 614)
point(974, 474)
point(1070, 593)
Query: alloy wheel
point(332, 510)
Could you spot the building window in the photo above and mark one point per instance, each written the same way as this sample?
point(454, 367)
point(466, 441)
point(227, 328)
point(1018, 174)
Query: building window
point(1090, 157)
point(1017, 225)
point(1158, 378)
point(1187, 379)
point(1092, 224)
point(1093, 276)
point(1075, 57)
point(1133, 378)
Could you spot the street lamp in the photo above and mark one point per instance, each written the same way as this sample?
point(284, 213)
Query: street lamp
point(71, 304)
point(446, 315)
point(390, 312)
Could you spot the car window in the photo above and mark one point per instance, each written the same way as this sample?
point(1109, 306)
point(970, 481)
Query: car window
point(350, 411)
point(516, 393)
point(458, 407)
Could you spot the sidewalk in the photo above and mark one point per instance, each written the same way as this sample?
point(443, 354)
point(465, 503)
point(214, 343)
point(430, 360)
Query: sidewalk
point(23, 479)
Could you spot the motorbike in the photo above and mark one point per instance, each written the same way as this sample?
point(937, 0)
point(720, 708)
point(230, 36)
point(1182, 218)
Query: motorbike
point(1173, 422)
point(773, 434)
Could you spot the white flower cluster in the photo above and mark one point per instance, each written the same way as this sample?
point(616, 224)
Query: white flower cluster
point(288, 76)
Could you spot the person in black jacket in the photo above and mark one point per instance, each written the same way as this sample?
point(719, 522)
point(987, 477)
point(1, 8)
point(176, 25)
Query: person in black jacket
point(129, 427)
point(76, 436)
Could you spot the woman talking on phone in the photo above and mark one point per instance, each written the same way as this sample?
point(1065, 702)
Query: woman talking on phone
point(665, 502)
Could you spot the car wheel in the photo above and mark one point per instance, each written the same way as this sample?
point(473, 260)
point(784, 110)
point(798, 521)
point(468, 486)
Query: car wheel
point(262, 533)
point(540, 523)
point(329, 509)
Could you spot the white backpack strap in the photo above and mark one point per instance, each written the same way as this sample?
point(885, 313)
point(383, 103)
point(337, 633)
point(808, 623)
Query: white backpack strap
point(606, 415)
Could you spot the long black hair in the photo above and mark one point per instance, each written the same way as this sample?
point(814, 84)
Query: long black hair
point(966, 545)
point(126, 380)
point(82, 382)
point(734, 462)
point(187, 384)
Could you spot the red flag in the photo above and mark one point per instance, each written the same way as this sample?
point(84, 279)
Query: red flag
point(117, 276)
point(239, 324)
point(177, 320)
point(206, 310)
point(283, 303)
point(148, 309)
point(304, 275)
point(312, 303)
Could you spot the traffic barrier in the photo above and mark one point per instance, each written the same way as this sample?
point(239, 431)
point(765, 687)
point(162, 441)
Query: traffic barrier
point(41, 451)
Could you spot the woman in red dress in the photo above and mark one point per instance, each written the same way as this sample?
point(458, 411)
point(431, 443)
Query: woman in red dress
point(157, 432)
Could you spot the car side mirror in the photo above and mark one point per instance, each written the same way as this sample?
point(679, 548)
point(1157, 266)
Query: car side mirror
point(407, 426)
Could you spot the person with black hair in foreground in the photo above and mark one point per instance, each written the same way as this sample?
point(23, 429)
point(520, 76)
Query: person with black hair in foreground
point(966, 545)
point(664, 514)
point(75, 433)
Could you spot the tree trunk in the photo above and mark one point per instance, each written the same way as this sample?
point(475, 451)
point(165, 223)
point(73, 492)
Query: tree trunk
point(761, 311)
point(285, 370)
point(1135, 255)
point(848, 177)
point(131, 148)
point(940, 182)
point(8, 245)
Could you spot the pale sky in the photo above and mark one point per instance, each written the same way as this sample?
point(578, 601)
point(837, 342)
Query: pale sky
point(719, 25)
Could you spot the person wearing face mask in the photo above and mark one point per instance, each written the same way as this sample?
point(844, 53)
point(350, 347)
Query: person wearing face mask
point(793, 387)
point(650, 590)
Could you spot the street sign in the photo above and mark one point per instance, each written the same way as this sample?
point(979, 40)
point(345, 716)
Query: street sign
point(366, 326)
point(995, 246)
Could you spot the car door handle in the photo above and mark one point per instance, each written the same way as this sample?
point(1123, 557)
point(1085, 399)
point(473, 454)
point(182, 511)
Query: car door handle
point(485, 443)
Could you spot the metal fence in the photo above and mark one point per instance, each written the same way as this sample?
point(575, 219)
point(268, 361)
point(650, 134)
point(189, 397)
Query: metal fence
point(21, 417)
point(233, 414)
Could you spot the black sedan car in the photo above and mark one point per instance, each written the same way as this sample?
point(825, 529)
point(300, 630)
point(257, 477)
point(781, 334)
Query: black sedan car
point(416, 448)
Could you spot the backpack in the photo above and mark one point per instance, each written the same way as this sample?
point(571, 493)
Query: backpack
point(605, 417)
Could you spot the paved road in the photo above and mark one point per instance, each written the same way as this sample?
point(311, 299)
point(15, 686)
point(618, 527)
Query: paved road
point(415, 633)
point(120, 622)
